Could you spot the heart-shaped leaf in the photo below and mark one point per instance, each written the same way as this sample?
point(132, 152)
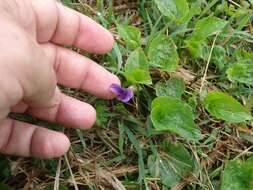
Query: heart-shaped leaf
point(131, 35)
point(204, 28)
point(174, 9)
point(172, 169)
point(162, 53)
point(241, 72)
point(173, 87)
point(137, 68)
point(225, 107)
point(208, 26)
point(238, 175)
point(171, 114)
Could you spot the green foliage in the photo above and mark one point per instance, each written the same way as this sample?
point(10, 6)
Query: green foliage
point(137, 68)
point(131, 36)
point(162, 53)
point(173, 87)
point(103, 114)
point(180, 153)
point(66, 2)
point(204, 28)
point(173, 168)
point(219, 57)
point(238, 175)
point(171, 114)
point(5, 168)
point(138, 148)
point(242, 55)
point(225, 107)
point(5, 187)
point(173, 9)
point(241, 72)
point(208, 26)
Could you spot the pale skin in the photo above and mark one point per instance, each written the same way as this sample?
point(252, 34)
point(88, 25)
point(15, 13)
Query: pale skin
point(33, 62)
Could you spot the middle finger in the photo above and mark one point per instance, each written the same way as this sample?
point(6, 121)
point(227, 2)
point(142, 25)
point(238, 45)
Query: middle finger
point(76, 71)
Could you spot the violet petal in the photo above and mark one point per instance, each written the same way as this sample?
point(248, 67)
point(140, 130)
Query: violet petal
point(123, 94)
point(116, 89)
point(126, 96)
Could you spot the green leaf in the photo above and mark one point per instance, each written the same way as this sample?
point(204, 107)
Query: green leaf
point(137, 68)
point(241, 72)
point(242, 55)
point(162, 53)
point(238, 175)
point(218, 57)
point(198, 48)
point(167, 8)
point(174, 9)
point(66, 2)
point(203, 28)
point(182, 158)
point(195, 9)
point(208, 26)
point(225, 107)
point(171, 114)
point(182, 8)
point(131, 35)
point(174, 167)
point(173, 87)
point(161, 168)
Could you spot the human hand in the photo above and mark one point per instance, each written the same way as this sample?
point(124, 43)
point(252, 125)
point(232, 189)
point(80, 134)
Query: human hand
point(32, 64)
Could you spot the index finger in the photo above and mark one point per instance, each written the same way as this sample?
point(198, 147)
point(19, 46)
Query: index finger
point(64, 26)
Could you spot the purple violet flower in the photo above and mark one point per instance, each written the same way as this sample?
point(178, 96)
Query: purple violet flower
point(123, 94)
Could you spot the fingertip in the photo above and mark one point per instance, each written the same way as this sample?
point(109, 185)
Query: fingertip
point(49, 144)
point(106, 44)
point(114, 80)
point(85, 117)
point(76, 114)
point(109, 43)
point(92, 119)
point(64, 143)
